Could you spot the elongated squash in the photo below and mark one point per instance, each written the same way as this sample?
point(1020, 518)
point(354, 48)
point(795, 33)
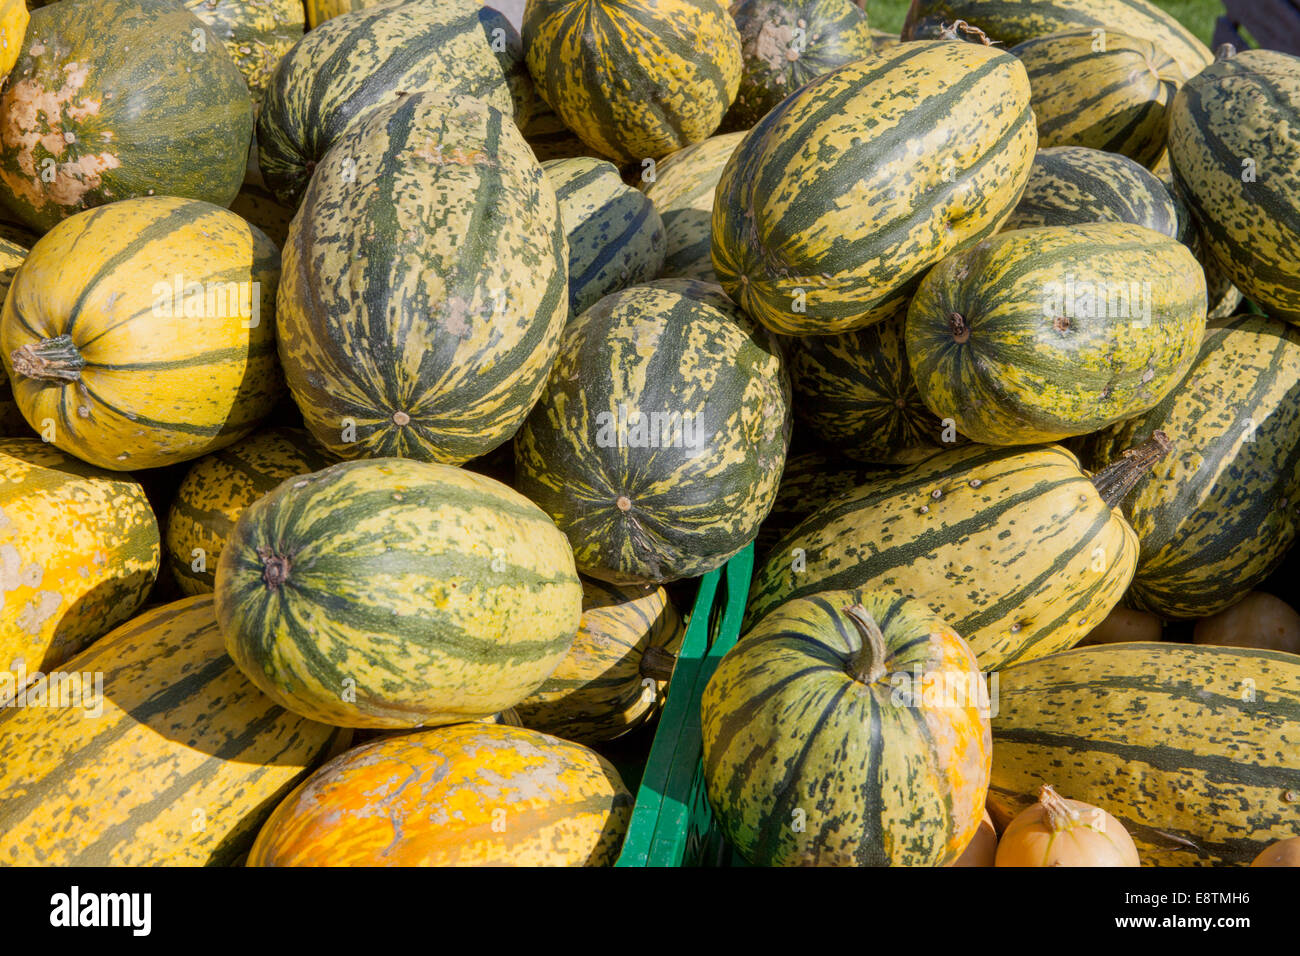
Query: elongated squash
point(916, 153)
point(1192, 749)
point(1039, 334)
point(174, 759)
point(952, 531)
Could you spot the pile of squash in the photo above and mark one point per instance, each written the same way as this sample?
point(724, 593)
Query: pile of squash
point(377, 377)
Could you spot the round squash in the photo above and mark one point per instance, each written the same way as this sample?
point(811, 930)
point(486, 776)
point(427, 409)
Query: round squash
point(1060, 832)
point(786, 43)
point(216, 490)
point(118, 98)
point(658, 463)
point(1039, 334)
point(425, 284)
point(469, 795)
point(1070, 185)
point(256, 33)
point(175, 759)
point(682, 189)
point(396, 593)
point(1102, 89)
point(78, 553)
point(1258, 620)
point(833, 740)
point(1281, 853)
point(635, 79)
point(613, 678)
point(615, 235)
point(92, 332)
point(916, 153)
point(358, 62)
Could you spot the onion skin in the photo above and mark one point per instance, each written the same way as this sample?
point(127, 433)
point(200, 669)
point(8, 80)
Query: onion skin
point(1123, 625)
point(1059, 832)
point(1258, 620)
point(1281, 853)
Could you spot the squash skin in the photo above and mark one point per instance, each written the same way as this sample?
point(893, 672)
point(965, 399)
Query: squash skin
point(183, 765)
point(1245, 108)
point(1010, 598)
point(115, 279)
point(423, 345)
point(79, 552)
point(1025, 369)
point(256, 33)
point(660, 502)
point(808, 481)
point(319, 11)
point(1215, 516)
point(12, 422)
point(786, 727)
point(916, 203)
point(396, 593)
point(468, 795)
point(121, 134)
point(13, 27)
point(1191, 748)
point(634, 79)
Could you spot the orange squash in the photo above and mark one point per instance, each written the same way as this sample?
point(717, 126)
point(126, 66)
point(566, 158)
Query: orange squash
point(1059, 832)
point(1122, 625)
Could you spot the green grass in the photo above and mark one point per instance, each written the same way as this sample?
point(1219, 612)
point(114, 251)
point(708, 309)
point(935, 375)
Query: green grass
point(1197, 15)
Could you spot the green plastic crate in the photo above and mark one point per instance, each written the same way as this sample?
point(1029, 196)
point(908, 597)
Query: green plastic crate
point(671, 822)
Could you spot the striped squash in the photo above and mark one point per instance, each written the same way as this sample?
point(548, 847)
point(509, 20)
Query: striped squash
point(118, 98)
point(615, 235)
point(256, 204)
point(820, 748)
point(635, 79)
point(256, 34)
point(1014, 21)
point(13, 27)
point(786, 43)
point(856, 392)
point(78, 554)
point(1224, 297)
point(614, 677)
point(682, 189)
point(216, 490)
point(89, 333)
point(808, 482)
point(318, 11)
point(1039, 334)
point(883, 39)
point(13, 231)
point(1192, 749)
point(1070, 185)
point(1234, 141)
point(396, 593)
point(425, 284)
point(1215, 517)
point(658, 463)
point(183, 763)
point(952, 531)
point(362, 61)
point(549, 138)
point(917, 152)
point(1102, 89)
point(469, 795)
point(11, 419)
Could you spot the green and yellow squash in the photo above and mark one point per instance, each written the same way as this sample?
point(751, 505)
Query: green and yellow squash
point(216, 490)
point(1040, 334)
point(112, 99)
point(12, 422)
point(13, 27)
point(318, 11)
point(78, 554)
point(615, 235)
point(1070, 185)
point(1217, 515)
point(1192, 749)
point(658, 462)
point(549, 138)
point(1009, 22)
point(469, 795)
point(916, 153)
point(1019, 550)
point(175, 759)
point(856, 392)
point(256, 33)
point(396, 593)
point(635, 79)
point(682, 189)
point(366, 60)
point(808, 482)
point(850, 728)
point(614, 677)
point(1234, 142)
point(436, 341)
point(786, 43)
point(1101, 89)
point(256, 204)
point(142, 333)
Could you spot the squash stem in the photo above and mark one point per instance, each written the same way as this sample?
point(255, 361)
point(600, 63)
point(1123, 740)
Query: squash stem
point(49, 360)
point(1118, 478)
point(949, 32)
point(657, 663)
point(869, 663)
point(1060, 815)
point(275, 567)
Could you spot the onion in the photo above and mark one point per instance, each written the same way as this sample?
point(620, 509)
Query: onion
point(1060, 832)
